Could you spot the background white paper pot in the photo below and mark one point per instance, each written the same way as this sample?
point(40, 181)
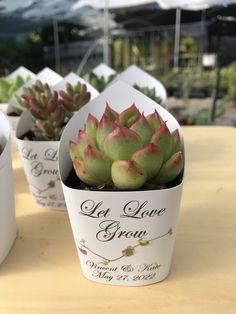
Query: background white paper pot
point(7, 205)
point(13, 121)
point(103, 70)
point(135, 75)
point(40, 161)
point(122, 237)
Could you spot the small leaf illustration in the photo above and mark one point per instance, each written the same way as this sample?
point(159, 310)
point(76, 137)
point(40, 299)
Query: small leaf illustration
point(143, 242)
point(82, 241)
point(58, 178)
point(51, 184)
point(83, 251)
point(129, 251)
point(105, 262)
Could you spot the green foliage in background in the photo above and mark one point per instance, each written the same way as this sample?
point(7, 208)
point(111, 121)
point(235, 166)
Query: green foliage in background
point(9, 86)
point(149, 92)
point(197, 82)
point(100, 82)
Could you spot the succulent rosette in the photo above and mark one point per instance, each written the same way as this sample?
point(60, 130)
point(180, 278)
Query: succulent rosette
point(126, 151)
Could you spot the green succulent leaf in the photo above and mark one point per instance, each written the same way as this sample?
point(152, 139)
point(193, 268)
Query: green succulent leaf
point(128, 175)
point(163, 139)
point(122, 143)
point(150, 158)
point(170, 169)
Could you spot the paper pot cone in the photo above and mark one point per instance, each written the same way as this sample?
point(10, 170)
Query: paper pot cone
point(122, 237)
point(3, 108)
point(40, 162)
point(103, 70)
point(135, 75)
point(23, 72)
point(13, 121)
point(7, 206)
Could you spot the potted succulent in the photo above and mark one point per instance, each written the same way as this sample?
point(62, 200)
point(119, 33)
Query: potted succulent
point(14, 109)
point(38, 134)
point(121, 171)
point(7, 206)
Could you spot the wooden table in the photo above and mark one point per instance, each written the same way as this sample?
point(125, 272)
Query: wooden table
point(42, 272)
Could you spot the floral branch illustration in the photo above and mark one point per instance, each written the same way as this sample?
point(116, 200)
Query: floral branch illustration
point(50, 185)
point(128, 251)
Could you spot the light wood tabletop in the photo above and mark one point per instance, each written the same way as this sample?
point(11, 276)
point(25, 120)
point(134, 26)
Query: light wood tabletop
point(42, 272)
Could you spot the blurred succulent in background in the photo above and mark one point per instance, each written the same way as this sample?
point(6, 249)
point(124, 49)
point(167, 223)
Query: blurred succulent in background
point(49, 112)
point(126, 151)
point(149, 92)
point(9, 86)
point(100, 82)
point(74, 97)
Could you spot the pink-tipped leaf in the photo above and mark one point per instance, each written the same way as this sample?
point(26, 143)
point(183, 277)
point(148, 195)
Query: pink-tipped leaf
point(128, 175)
point(122, 143)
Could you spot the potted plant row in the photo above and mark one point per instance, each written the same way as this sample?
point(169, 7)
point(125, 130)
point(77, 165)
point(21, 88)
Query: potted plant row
point(121, 161)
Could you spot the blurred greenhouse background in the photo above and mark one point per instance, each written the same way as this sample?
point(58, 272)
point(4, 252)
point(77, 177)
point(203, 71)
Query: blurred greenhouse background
point(188, 46)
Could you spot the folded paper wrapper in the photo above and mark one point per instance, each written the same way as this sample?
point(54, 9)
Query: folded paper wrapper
point(135, 75)
point(13, 121)
point(40, 161)
point(122, 237)
point(23, 72)
point(103, 70)
point(7, 205)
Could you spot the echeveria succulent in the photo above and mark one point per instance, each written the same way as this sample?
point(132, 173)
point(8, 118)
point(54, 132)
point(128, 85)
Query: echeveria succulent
point(74, 97)
point(49, 112)
point(126, 151)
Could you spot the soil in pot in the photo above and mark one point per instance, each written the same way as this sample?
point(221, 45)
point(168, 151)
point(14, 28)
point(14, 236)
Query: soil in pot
point(72, 181)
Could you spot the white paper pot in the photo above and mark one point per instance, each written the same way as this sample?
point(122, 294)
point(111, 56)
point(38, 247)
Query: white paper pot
point(109, 225)
point(7, 205)
point(23, 72)
point(13, 121)
point(135, 75)
point(3, 108)
point(103, 70)
point(40, 162)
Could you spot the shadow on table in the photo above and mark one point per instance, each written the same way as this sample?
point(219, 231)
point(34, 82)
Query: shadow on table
point(44, 241)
